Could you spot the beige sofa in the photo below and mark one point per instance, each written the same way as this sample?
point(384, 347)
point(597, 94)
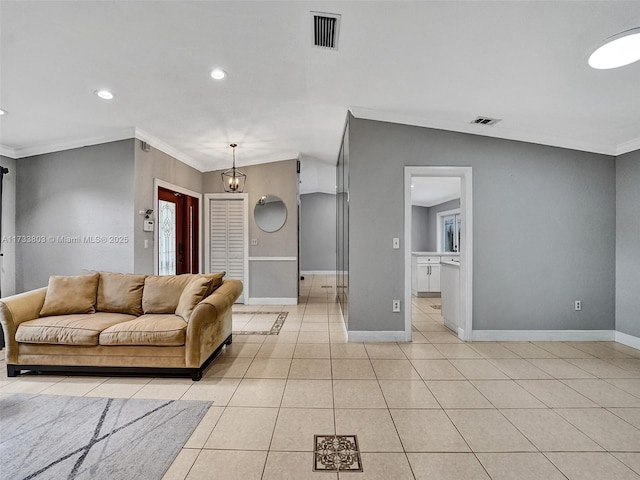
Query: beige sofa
point(115, 323)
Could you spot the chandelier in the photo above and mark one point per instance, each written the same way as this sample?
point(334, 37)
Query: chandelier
point(233, 179)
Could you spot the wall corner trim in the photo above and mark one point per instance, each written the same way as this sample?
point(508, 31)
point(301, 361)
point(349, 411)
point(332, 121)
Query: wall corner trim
point(544, 335)
point(628, 340)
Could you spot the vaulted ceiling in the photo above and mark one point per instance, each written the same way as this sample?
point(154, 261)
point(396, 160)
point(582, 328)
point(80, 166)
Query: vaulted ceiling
point(430, 63)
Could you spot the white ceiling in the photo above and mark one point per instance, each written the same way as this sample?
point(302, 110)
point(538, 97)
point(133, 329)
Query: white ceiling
point(437, 64)
point(430, 191)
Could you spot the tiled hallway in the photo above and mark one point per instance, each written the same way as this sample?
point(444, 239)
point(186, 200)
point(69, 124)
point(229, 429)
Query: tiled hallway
point(436, 408)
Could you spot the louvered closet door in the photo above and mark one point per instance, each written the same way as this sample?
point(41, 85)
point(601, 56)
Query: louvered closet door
point(228, 237)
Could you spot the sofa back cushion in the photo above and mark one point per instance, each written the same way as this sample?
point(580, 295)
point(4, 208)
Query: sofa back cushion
point(201, 286)
point(120, 293)
point(69, 295)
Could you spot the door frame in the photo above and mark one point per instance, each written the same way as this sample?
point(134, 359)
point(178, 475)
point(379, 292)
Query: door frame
point(244, 298)
point(465, 331)
point(185, 191)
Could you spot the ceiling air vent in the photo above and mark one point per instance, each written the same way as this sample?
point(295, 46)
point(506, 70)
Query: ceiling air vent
point(325, 30)
point(485, 121)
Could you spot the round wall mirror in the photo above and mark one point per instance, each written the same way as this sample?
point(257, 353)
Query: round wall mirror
point(270, 213)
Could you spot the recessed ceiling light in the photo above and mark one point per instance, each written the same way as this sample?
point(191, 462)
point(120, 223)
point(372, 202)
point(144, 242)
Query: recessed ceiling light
point(105, 94)
point(218, 74)
point(3, 112)
point(617, 51)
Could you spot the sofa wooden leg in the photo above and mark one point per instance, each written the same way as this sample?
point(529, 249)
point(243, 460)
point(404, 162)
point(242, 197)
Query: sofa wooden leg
point(12, 371)
point(229, 340)
point(196, 376)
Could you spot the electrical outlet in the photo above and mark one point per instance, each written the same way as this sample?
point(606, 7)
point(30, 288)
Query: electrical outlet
point(578, 305)
point(395, 306)
point(254, 242)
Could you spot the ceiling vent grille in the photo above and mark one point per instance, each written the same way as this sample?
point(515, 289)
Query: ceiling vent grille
point(326, 27)
point(485, 121)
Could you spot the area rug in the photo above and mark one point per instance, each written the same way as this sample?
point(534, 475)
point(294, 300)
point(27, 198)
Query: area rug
point(56, 437)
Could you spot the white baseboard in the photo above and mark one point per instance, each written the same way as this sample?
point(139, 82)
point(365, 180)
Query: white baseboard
point(628, 340)
point(366, 336)
point(317, 272)
point(544, 335)
point(271, 301)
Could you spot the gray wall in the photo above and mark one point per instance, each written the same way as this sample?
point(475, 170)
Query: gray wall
point(424, 225)
point(419, 228)
point(269, 279)
point(149, 166)
point(8, 260)
point(433, 221)
point(544, 228)
point(318, 232)
point(628, 243)
point(75, 193)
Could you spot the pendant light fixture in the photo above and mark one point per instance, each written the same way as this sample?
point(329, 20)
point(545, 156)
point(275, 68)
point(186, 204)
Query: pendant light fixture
point(233, 179)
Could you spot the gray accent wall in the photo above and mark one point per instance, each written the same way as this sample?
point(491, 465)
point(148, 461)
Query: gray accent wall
point(628, 243)
point(274, 278)
point(8, 259)
point(149, 166)
point(68, 197)
point(318, 232)
point(543, 228)
point(419, 228)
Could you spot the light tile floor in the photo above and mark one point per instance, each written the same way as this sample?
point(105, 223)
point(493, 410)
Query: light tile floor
point(432, 409)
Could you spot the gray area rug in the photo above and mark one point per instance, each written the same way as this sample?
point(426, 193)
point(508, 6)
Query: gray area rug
point(56, 437)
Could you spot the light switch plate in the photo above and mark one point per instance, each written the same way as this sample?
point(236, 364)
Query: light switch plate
point(396, 242)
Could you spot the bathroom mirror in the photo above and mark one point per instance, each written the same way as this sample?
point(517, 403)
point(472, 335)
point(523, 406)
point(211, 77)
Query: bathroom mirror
point(270, 213)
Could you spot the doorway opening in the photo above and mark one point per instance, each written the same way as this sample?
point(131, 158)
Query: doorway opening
point(178, 232)
point(455, 233)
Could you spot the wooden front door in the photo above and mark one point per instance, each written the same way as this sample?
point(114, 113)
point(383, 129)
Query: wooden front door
point(177, 233)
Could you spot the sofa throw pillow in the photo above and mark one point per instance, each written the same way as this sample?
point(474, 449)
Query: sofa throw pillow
point(200, 287)
point(120, 293)
point(69, 295)
point(162, 293)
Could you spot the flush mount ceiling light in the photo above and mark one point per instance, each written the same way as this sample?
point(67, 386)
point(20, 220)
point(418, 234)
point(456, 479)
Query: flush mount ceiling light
point(233, 179)
point(104, 94)
point(218, 74)
point(3, 112)
point(617, 51)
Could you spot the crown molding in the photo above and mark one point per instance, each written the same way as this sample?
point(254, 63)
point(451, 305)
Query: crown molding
point(541, 139)
point(120, 134)
point(7, 151)
point(164, 147)
point(630, 146)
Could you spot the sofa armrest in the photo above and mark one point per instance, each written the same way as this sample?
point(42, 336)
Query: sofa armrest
point(17, 309)
point(210, 323)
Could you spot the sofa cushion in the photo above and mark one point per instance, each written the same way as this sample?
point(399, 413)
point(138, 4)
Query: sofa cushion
point(70, 295)
point(166, 330)
point(120, 293)
point(78, 329)
point(162, 293)
point(200, 287)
